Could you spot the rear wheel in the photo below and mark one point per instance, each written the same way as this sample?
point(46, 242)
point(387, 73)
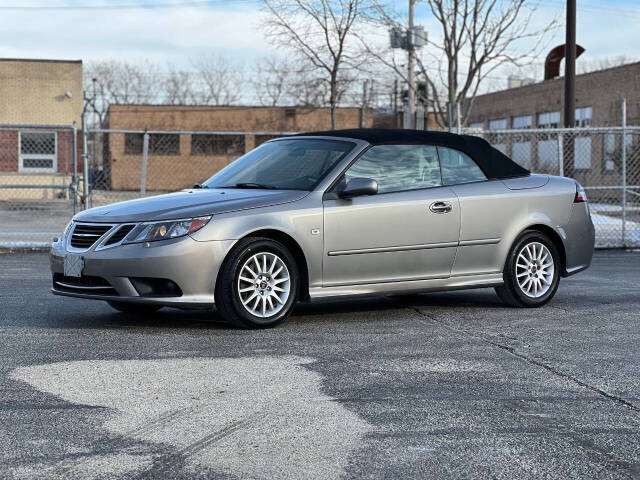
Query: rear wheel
point(258, 284)
point(134, 308)
point(531, 272)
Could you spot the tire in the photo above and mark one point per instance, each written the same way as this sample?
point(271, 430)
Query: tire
point(270, 295)
point(134, 308)
point(528, 281)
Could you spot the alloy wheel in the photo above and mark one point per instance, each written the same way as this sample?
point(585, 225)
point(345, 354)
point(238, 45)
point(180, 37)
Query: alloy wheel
point(264, 284)
point(534, 269)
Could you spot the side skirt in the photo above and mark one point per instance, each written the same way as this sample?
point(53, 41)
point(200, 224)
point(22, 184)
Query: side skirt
point(413, 286)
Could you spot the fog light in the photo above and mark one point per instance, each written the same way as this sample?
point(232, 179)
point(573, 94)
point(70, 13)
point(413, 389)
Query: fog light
point(155, 287)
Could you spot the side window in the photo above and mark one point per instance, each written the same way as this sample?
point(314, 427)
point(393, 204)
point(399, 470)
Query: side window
point(397, 168)
point(458, 168)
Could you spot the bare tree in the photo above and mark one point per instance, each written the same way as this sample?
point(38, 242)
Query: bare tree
point(319, 31)
point(110, 81)
point(178, 87)
point(475, 38)
point(593, 64)
point(219, 81)
point(273, 80)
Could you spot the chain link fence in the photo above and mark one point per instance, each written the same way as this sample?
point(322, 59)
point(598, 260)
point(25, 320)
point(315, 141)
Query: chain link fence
point(128, 164)
point(42, 180)
point(606, 161)
point(38, 180)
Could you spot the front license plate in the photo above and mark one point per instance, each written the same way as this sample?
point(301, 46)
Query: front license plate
point(73, 265)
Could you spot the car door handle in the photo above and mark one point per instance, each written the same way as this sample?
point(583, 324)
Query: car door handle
point(440, 207)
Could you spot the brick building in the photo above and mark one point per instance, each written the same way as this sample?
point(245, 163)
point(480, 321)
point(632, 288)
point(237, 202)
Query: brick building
point(599, 98)
point(47, 93)
point(593, 158)
point(178, 160)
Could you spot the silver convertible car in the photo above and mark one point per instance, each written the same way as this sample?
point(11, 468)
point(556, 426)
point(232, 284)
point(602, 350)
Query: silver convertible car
point(332, 215)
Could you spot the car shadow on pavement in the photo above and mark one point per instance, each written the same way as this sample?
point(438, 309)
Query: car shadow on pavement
point(96, 316)
point(481, 298)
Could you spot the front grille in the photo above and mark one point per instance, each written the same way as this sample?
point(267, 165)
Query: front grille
point(119, 235)
point(85, 284)
point(84, 236)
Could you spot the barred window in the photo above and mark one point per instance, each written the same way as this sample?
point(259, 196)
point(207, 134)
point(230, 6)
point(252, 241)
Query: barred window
point(164, 144)
point(210, 144)
point(38, 152)
point(133, 143)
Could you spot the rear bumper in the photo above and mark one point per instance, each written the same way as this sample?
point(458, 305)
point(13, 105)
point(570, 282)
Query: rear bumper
point(191, 264)
point(579, 240)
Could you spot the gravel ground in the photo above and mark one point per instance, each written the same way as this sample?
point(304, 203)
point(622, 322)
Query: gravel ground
point(447, 385)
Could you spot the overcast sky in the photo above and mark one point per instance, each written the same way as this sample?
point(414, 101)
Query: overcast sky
point(231, 28)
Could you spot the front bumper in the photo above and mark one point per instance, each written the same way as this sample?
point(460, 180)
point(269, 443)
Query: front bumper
point(191, 264)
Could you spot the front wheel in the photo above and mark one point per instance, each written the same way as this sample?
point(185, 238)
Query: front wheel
point(531, 272)
point(258, 284)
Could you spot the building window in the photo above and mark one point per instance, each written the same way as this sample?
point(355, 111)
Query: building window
point(609, 151)
point(549, 120)
point(133, 143)
point(498, 140)
point(476, 125)
point(38, 152)
point(583, 116)
point(582, 153)
point(498, 124)
point(209, 144)
point(164, 144)
point(523, 121)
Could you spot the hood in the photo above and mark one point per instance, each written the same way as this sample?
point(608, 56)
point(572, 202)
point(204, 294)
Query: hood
point(187, 204)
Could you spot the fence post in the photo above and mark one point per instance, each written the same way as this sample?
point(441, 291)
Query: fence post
point(624, 173)
point(561, 154)
point(85, 163)
point(74, 156)
point(145, 157)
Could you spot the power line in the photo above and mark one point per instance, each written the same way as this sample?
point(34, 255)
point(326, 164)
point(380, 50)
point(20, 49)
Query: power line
point(599, 9)
point(129, 6)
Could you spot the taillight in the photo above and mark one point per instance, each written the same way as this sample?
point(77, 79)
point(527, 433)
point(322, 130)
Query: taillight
point(581, 196)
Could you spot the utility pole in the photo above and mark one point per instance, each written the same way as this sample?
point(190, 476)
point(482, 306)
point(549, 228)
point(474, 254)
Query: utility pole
point(411, 94)
point(569, 88)
point(395, 102)
point(411, 39)
point(363, 109)
point(570, 67)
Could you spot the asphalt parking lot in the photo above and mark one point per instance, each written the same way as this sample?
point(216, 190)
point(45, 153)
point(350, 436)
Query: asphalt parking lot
point(446, 385)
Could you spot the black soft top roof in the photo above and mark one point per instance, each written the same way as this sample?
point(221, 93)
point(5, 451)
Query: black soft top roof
point(493, 162)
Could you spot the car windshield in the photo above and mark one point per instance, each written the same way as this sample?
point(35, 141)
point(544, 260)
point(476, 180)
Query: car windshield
point(296, 164)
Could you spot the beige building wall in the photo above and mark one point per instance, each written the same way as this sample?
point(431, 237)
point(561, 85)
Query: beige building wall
point(35, 91)
point(173, 172)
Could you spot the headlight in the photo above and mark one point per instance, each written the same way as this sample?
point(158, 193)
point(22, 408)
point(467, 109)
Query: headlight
point(152, 231)
point(67, 229)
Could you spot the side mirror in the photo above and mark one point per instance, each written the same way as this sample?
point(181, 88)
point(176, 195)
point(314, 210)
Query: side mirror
point(357, 187)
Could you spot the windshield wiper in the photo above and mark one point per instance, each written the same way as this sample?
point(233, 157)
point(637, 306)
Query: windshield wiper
point(200, 185)
point(251, 185)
